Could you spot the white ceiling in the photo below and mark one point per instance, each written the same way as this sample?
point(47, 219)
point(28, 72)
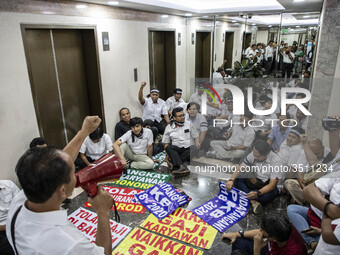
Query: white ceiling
point(212, 7)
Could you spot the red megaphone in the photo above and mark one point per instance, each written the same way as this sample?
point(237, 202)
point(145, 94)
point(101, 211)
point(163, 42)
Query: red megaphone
point(105, 168)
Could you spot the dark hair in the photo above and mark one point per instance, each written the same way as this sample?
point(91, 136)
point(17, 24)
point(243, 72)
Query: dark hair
point(147, 122)
point(295, 75)
point(302, 95)
point(262, 147)
point(135, 121)
point(193, 103)
point(238, 252)
point(40, 172)
point(176, 110)
point(300, 130)
point(259, 44)
point(253, 45)
point(97, 134)
point(37, 141)
point(120, 111)
point(277, 226)
point(248, 114)
point(271, 41)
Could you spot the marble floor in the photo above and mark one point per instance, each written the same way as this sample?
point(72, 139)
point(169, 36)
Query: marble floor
point(201, 186)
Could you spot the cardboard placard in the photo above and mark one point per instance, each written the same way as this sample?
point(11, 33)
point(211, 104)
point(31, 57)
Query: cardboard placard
point(185, 226)
point(142, 179)
point(225, 210)
point(161, 200)
point(86, 222)
point(124, 199)
point(140, 241)
point(161, 157)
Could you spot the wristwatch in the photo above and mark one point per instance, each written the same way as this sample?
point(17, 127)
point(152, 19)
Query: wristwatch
point(259, 193)
point(241, 232)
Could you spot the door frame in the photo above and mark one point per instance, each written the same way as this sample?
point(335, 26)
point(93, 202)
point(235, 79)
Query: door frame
point(211, 48)
point(232, 54)
point(23, 28)
point(155, 29)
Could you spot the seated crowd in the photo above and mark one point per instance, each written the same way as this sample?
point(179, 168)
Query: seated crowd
point(184, 132)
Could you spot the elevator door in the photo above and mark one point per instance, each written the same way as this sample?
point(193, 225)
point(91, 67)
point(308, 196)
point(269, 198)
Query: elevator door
point(59, 68)
point(203, 55)
point(229, 49)
point(162, 59)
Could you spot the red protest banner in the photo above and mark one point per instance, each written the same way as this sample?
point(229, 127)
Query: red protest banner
point(124, 199)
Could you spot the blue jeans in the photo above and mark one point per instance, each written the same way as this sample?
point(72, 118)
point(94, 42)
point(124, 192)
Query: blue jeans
point(240, 183)
point(247, 245)
point(298, 216)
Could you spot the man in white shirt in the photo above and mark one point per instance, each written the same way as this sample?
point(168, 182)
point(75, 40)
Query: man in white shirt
point(240, 138)
point(175, 100)
point(247, 50)
point(262, 168)
point(251, 54)
point(154, 108)
point(287, 62)
point(197, 96)
point(180, 140)
point(47, 178)
point(268, 56)
point(135, 145)
point(8, 190)
point(95, 145)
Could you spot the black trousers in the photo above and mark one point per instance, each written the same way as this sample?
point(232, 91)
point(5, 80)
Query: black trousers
point(80, 164)
point(268, 65)
point(247, 246)
point(160, 126)
point(179, 155)
point(287, 68)
point(5, 247)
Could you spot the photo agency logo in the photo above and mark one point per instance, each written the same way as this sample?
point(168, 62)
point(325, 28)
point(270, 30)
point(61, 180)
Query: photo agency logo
point(239, 104)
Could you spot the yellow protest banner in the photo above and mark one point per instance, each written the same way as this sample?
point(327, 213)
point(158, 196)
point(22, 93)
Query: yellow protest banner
point(183, 225)
point(143, 242)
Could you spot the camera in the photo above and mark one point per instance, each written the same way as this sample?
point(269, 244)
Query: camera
point(330, 124)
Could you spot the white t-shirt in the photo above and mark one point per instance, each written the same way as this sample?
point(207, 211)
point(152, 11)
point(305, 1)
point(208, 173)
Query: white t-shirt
point(96, 150)
point(290, 154)
point(8, 190)
point(171, 103)
point(47, 232)
point(154, 111)
point(286, 58)
point(140, 145)
point(330, 185)
point(269, 52)
point(241, 136)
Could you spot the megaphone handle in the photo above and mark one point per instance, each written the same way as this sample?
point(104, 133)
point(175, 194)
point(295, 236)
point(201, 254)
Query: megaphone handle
point(90, 189)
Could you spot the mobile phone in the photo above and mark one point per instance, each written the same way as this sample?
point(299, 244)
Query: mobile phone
point(306, 230)
point(226, 240)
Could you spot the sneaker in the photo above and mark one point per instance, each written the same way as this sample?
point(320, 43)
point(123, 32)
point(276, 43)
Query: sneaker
point(182, 171)
point(257, 207)
point(211, 154)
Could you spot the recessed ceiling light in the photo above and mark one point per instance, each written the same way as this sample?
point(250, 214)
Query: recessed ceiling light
point(234, 21)
point(165, 16)
point(188, 14)
point(113, 3)
point(253, 24)
point(307, 16)
point(204, 17)
point(296, 1)
point(270, 25)
point(297, 26)
point(81, 6)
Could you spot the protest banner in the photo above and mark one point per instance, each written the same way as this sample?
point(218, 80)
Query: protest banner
point(86, 222)
point(160, 157)
point(124, 199)
point(142, 179)
point(142, 242)
point(225, 210)
point(161, 200)
point(183, 225)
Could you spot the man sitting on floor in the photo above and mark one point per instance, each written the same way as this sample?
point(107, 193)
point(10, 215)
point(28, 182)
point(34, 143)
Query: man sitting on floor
point(277, 236)
point(124, 124)
point(47, 178)
point(178, 142)
point(135, 145)
point(241, 137)
point(262, 175)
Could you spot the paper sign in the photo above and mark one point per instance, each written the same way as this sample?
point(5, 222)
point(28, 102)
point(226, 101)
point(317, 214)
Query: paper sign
point(185, 226)
point(140, 242)
point(142, 179)
point(161, 200)
point(161, 157)
point(124, 199)
point(86, 222)
point(225, 210)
